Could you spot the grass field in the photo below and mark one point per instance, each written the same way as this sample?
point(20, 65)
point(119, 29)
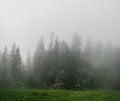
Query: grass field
point(58, 95)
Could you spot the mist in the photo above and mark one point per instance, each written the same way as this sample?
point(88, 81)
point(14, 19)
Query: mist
point(24, 22)
point(60, 44)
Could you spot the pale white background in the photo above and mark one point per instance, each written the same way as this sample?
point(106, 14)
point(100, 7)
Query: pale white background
point(25, 21)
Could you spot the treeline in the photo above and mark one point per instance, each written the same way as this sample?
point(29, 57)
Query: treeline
point(62, 65)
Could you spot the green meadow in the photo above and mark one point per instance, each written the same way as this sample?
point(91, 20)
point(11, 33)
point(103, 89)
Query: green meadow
point(59, 95)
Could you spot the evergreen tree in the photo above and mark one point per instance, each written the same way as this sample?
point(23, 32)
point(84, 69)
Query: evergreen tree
point(74, 62)
point(87, 71)
point(38, 62)
point(16, 67)
point(5, 67)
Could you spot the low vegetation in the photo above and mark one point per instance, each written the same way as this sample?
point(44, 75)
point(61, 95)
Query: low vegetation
point(58, 95)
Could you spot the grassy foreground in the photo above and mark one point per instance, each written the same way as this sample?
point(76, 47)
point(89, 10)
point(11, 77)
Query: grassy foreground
point(58, 95)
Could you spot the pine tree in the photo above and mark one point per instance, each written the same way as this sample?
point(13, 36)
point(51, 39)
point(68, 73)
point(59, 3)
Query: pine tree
point(5, 67)
point(38, 61)
point(73, 62)
point(16, 67)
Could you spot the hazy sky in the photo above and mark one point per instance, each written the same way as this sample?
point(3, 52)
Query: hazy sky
point(25, 21)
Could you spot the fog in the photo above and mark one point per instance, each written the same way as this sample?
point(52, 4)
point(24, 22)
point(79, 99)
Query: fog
point(71, 43)
point(25, 21)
